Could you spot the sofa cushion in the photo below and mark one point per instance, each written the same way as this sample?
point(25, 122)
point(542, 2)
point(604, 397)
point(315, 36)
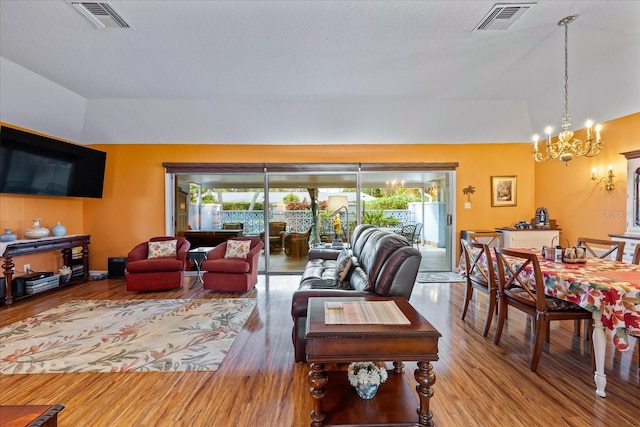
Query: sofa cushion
point(162, 249)
point(237, 248)
point(228, 265)
point(359, 280)
point(154, 265)
point(343, 264)
point(374, 255)
point(398, 273)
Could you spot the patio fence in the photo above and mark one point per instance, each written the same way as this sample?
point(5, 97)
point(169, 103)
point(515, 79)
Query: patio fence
point(212, 218)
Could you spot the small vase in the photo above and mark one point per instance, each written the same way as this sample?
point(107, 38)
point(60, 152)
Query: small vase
point(367, 391)
point(8, 236)
point(58, 230)
point(36, 231)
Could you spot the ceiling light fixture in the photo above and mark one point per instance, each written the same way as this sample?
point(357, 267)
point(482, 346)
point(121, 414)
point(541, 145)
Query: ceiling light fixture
point(565, 148)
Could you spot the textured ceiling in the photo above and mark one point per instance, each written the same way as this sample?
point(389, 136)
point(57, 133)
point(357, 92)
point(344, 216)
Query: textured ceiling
point(309, 72)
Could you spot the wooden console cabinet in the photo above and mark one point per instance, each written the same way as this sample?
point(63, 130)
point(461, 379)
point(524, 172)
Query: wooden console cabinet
point(532, 238)
point(64, 244)
point(631, 236)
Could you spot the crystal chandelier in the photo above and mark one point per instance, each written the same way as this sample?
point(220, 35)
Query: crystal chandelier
point(566, 147)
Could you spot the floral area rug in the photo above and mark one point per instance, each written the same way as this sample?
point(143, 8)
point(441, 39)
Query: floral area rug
point(124, 336)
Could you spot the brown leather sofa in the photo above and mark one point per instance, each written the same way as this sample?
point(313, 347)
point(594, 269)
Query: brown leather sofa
point(382, 263)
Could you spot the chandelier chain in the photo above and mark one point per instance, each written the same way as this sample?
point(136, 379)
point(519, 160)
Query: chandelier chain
point(566, 69)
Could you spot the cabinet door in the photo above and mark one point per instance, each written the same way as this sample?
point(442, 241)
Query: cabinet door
point(545, 238)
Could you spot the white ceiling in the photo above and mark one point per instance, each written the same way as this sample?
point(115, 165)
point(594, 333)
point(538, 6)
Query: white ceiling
point(311, 72)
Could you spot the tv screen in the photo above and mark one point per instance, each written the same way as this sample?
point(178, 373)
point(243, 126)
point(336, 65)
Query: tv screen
point(34, 164)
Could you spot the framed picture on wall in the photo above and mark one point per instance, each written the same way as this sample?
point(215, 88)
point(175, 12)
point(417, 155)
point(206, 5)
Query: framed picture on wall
point(504, 190)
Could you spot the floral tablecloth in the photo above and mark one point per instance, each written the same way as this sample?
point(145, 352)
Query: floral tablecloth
point(609, 288)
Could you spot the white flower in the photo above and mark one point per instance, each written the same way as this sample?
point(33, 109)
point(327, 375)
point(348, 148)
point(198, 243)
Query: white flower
point(366, 373)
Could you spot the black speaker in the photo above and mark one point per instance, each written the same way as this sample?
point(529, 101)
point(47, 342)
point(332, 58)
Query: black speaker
point(117, 267)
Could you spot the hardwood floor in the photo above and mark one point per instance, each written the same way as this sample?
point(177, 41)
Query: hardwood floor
point(258, 384)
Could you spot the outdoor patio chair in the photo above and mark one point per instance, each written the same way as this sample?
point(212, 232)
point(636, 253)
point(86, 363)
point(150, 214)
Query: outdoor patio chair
point(277, 232)
point(296, 245)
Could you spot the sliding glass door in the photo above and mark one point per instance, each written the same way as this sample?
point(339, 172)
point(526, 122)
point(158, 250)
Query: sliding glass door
point(412, 201)
point(300, 206)
point(295, 207)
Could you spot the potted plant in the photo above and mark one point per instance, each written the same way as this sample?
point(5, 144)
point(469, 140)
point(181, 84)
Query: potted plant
point(366, 377)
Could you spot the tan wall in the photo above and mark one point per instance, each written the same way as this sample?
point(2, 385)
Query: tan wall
point(132, 208)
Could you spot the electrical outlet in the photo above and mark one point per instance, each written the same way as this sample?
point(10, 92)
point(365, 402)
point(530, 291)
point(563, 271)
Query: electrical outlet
point(26, 268)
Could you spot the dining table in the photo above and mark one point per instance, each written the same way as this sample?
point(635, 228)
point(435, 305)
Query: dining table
point(609, 289)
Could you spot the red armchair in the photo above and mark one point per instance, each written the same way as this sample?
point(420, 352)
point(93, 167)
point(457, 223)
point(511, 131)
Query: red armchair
point(156, 274)
point(232, 274)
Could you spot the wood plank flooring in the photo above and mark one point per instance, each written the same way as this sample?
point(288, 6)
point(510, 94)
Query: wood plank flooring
point(258, 384)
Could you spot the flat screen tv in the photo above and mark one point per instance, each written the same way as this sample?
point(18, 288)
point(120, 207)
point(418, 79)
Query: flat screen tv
point(35, 164)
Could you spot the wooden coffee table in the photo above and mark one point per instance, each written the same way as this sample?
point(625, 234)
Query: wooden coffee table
point(335, 400)
point(30, 415)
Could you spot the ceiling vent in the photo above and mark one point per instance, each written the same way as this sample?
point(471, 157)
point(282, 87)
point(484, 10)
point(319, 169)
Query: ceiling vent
point(101, 14)
point(502, 15)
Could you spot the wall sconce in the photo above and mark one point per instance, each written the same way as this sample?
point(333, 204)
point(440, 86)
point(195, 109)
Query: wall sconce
point(608, 180)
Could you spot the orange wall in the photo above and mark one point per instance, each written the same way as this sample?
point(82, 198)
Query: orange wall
point(582, 207)
point(132, 207)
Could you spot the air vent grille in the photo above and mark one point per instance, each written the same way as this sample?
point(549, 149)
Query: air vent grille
point(101, 14)
point(503, 15)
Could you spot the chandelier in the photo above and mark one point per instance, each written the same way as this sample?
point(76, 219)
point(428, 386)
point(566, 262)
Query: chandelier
point(567, 147)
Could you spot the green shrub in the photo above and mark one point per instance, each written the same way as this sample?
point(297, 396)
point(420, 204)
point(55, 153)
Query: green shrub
point(241, 206)
point(290, 198)
point(379, 219)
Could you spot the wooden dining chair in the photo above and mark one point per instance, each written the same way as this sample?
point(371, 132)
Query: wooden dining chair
point(520, 285)
point(602, 248)
point(491, 239)
point(481, 276)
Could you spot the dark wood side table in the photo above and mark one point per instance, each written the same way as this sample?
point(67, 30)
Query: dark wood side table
point(336, 402)
point(30, 415)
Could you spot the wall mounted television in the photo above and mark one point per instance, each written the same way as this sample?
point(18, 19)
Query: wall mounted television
point(35, 164)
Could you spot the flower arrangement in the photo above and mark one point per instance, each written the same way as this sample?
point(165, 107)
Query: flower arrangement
point(366, 373)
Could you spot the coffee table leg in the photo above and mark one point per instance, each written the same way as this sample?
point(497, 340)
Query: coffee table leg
point(426, 379)
point(318, 381)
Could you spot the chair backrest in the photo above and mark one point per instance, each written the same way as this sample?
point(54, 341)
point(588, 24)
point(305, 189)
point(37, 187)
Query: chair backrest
point(478, 264)
point(276, 227)
point(416, 234)
point(636, 255)
point(602, 248)
point(408, 231)
point(490, 238)
point(519, 276)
